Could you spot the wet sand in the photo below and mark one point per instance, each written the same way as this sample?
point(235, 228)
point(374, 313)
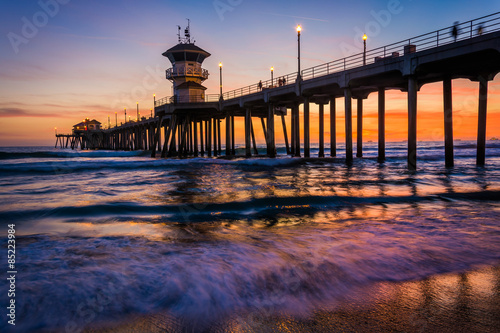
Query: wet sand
point(461, 302)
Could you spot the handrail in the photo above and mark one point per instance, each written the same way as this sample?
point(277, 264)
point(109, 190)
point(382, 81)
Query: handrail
point(187, 99)
point(467, 30)
point(186, 71)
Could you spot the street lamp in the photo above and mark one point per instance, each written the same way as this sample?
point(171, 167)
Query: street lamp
point(364, 49)
point(299, 29)
point(220, 69)
point(125, 115)
point(137, 111)
point(272, 79)
point(55, 129)
point(116, 119)
point(154, 103)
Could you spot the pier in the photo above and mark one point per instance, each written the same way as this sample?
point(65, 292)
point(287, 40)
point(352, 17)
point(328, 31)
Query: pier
point(189, 123)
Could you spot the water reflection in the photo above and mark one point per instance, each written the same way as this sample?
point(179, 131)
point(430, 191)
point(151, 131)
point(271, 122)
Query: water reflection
point(443, 303)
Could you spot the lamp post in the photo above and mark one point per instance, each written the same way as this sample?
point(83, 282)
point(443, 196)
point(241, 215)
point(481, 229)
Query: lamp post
point(137, 111)
point(125, 115)
point(109, 122)
point(220, 70)
point(116, 119)
point(272, 78)
point(55, 129)
point(364, 49)
point(154, 104)
point(299, 29)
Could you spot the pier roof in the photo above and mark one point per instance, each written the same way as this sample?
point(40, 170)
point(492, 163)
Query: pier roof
point(186, 52)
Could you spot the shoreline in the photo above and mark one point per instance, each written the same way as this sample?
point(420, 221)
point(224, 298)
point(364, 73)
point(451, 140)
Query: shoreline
point(449, 302)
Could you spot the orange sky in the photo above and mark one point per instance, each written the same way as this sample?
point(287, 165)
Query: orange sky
point(38, 129)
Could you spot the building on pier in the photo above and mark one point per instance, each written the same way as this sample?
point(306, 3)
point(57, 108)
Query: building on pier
point(186, 73)
point(87, 125)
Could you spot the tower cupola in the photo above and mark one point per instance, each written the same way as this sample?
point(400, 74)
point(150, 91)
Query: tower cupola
point(186, 73)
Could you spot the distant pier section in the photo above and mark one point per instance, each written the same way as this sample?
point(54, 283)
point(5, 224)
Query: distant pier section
point(189, 122)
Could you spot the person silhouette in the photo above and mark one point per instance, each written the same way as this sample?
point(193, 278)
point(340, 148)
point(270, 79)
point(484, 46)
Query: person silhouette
point(454, 31)
point(480, 30)
point(260, 85)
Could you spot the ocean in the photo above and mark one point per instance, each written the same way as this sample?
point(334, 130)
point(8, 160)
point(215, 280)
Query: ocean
point(104, 238)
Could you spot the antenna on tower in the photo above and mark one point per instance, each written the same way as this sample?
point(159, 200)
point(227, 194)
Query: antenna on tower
point(187, 33)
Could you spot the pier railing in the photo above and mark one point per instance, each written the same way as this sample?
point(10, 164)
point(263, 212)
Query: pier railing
point(174, 72)
point(187, 99)
point(465, 30)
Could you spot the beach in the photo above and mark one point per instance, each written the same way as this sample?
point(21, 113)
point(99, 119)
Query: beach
point(463, 302)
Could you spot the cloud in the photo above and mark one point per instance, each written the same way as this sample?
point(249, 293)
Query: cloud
point(18, 112)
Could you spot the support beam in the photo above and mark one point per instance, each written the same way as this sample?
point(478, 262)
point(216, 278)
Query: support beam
point(253, 138)
point(412, 123)
point(292, 134)
point(481, 123)
point(296, 127)
point(333, 127)
point(248, 126)
point(219, 137)
point(216, 149)
point(202, 149)
point(184, 145)
point(285, 134)
point(271, 149)
point(195, 138)
point(359, 129)
point(172, 148)
point(233, 148)
point(209, 137)
point(264, 129)
point(321, 152)
point(381, 124)
point(190, 137)
point(448, 122)
point(307, 139)
point(156, 137)
point(348, 125)
point(228, 135)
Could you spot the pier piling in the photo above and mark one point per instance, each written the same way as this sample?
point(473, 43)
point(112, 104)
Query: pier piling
point(359, 130)
point(481, 123)
point(348, 125)
point(448, 122)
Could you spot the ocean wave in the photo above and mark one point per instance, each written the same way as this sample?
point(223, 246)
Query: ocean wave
point(254, 208)
point(201, 273)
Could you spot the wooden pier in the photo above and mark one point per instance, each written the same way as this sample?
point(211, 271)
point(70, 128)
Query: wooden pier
point(190, 124)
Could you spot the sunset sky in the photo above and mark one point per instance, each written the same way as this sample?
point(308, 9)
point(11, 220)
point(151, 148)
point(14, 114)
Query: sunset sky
point(94, 58)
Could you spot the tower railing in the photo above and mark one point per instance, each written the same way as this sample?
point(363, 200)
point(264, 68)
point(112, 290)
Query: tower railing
point(179, 71)
point(466, 30)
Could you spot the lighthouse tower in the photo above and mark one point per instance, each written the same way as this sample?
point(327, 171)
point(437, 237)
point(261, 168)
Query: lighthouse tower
point(186, 73)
